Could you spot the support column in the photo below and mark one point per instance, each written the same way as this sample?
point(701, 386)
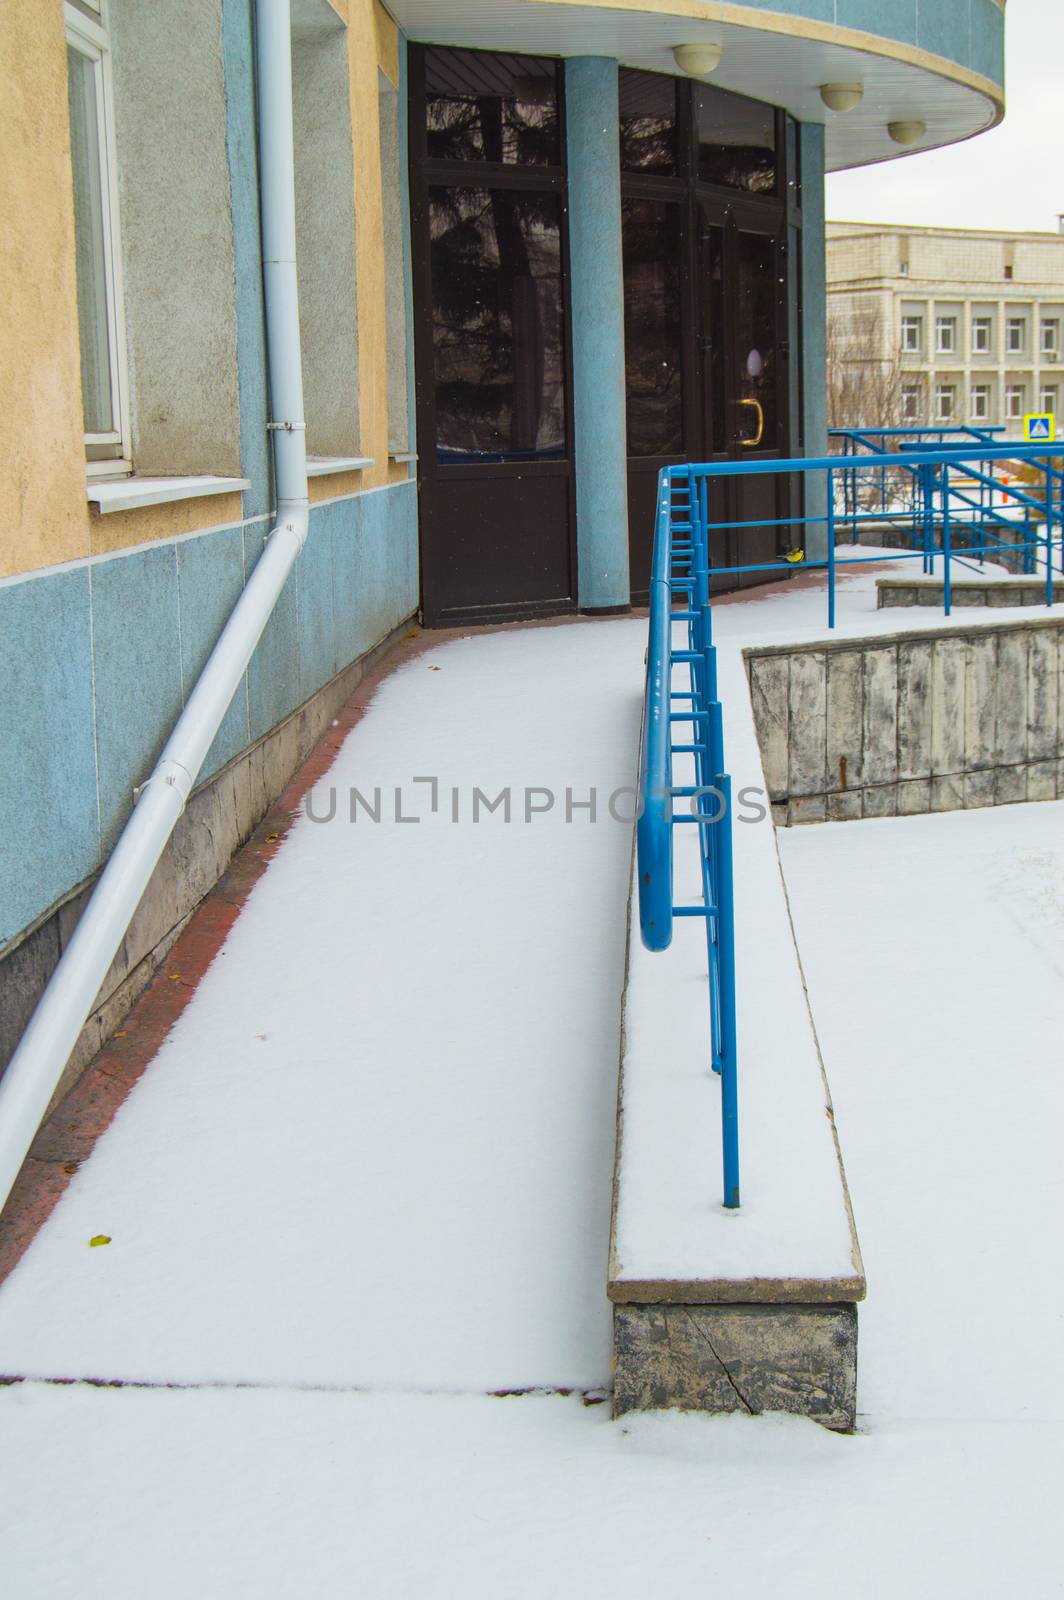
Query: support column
point(814, 331)
point(597, 290)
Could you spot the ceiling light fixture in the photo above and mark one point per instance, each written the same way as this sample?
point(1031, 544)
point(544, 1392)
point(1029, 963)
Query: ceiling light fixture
point(841, 96)
point(698, 60)
point(907, 132)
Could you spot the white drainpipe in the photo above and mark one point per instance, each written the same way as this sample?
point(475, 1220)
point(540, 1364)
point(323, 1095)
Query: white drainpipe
point(37, 1065)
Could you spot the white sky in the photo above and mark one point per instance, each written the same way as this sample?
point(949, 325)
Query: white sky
point(1012, 177)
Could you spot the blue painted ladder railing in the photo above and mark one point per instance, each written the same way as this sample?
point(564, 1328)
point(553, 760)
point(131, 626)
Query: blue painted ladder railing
point(679, 597)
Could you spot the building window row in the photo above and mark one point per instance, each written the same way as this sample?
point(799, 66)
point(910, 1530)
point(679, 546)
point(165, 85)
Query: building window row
point(982, 334)
point(946, 409)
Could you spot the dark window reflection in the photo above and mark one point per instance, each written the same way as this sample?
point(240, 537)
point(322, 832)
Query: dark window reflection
point(485, 107)
point(652, 346)
point(736, 142)
point(711, 284)
point(648, 122)
point(755, 336)
point(498, 324)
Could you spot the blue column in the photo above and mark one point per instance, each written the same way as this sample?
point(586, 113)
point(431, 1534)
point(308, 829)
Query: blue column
point(597, 289)
point(814, 329)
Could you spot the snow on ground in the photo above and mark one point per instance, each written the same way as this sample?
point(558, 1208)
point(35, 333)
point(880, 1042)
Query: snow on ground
point(376, 1148)
point(375, 1154)
point(125, 1494)
point(934, 951)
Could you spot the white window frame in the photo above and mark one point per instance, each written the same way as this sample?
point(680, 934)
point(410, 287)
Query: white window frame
point(912, 326)
point(1050, 399)
point(980, 402)
point(90, 39)
point(1016, 326)
point(1049, 336)
point(982, 326)
point(1015, 400)
point(944, 326)
point(910, 392)
point(945, 335)
point(940, 390)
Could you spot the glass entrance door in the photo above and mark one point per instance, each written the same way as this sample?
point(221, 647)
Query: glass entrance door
point(742, 279)
point(709, 215)
point(488, 224)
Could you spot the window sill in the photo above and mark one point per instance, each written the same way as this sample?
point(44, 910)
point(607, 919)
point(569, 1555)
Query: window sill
point(322, 466)
point(401, 457)
point(125, 494)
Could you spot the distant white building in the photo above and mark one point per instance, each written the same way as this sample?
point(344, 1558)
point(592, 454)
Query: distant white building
point(964, 325)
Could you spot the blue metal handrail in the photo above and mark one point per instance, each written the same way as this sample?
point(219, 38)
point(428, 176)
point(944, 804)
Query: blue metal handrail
point(870, 454)
point(940, 508)
point(679, 595)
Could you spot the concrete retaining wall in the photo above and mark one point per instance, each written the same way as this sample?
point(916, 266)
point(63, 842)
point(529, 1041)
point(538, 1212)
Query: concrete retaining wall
point(891, 592)
point(915, 722)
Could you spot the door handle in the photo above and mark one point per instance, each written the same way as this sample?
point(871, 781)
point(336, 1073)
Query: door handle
point(752, 444)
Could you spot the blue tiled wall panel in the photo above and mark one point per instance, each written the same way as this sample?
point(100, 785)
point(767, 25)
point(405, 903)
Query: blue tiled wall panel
point(210, 575)
point(138, 627)
point(49, 825)
point(894, 19)
point(273, 675)
point(316, 576)
point(946, 30)
point(988, 40)
point(968, 32)
point(136, 642)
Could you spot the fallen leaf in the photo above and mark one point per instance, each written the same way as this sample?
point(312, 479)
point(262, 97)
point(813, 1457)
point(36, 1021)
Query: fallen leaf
point(98, 1239)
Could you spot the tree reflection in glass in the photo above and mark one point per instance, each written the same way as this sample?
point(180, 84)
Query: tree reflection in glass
point(498, 323)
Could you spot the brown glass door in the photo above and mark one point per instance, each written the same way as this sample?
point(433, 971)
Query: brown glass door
point(488, 211)
point(710, 299)
point(743, 309)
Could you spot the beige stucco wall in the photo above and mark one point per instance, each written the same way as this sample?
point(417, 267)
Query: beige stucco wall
point(373, 46)
point(43, 513)
point(45, 518)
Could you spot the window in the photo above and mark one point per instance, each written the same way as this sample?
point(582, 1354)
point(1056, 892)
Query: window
point(649, 122)
point(1016, 335)
point(903, 269)
point(100, 329)
point(1049, 399)
point(945, 395)
point(946, 334)
point(483, 106)
point(653, 340)
point(910, 402)
point(1014, 401)
point(980, 402)
point(981, 334)
point(736, 141)
point(912, 335)
point(1008, 271)
point(1050, 336)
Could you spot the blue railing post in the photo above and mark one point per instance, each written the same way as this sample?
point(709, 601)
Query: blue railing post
point(729, 1087)
point(1049, 534)
point(831, 548)
point(946, 591)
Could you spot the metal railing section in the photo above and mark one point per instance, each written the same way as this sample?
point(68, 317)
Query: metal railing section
point(959, 510)
point(679, 599)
